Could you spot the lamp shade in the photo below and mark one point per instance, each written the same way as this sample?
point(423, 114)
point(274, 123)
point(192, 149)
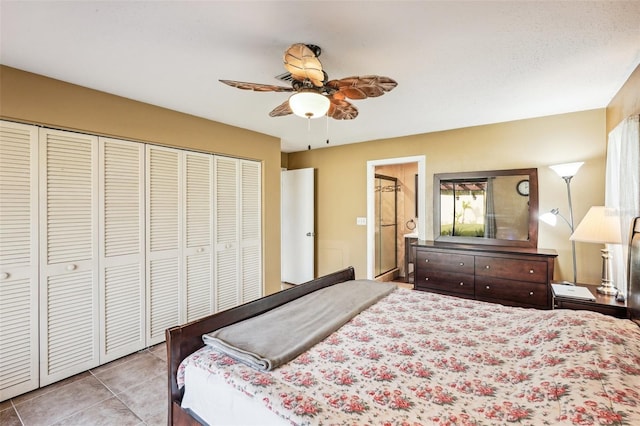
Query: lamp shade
point(600, 225)
point(309, 104)
point(567, 169)
point(550, 218)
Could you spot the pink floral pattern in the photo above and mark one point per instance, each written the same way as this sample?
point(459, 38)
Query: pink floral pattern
point(419, 358)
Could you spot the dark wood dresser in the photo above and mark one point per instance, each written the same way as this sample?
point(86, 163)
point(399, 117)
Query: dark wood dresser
point(507, 275)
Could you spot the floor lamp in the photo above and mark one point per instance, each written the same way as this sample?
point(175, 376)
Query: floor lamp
point(565, 171)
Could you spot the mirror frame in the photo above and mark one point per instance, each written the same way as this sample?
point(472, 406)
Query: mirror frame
point(531, 174)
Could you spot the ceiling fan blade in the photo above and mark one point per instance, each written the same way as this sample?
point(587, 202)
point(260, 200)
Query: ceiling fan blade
point(281, 110)
point(256, 87)
point(303, 64)
point(340, 109)
point(368, 86)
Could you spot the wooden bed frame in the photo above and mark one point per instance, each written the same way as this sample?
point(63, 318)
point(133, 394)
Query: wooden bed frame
point(186, 339)
point(633, 271)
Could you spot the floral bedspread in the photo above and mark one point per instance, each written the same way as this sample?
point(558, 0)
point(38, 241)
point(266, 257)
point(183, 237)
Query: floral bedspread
point(419, 358)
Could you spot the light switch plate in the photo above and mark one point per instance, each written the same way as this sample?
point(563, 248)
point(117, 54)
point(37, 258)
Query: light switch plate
point(361, 220)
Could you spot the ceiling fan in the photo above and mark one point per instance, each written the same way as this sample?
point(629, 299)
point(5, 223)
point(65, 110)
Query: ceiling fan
point(315, 95)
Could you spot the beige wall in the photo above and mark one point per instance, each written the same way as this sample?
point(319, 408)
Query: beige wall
point(626, 102)
point(341, 171)
point(31, 98)
point(539, 142)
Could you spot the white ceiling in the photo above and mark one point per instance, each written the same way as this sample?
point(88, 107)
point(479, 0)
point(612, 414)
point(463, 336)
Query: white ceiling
point(457, 64)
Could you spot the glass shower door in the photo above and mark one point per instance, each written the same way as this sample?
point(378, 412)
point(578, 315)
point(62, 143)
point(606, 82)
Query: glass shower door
point(385, 224)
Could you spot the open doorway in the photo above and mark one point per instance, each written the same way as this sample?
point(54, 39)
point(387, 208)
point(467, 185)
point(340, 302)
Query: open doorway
point(420, 221)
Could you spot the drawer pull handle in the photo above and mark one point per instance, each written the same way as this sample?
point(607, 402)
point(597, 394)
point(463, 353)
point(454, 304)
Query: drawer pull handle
point(530, 293)
point(531, 271)
point(461, 263)
point(4, 275)
point(426, 279)
point(488, 288)
point(487, 267)
point(461, 283)
point(426, 260)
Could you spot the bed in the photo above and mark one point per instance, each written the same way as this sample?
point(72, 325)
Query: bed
point(420, 358)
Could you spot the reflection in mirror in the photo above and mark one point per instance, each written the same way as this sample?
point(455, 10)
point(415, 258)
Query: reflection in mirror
point(462, 209)
point(492, 207)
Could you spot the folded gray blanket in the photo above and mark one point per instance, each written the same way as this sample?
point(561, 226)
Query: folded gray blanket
point(276, 337)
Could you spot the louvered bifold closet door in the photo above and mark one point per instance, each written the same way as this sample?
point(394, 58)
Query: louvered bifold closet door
point(226, 223)
point(18, 259)
point(122, 266)
point(163, 256)
point(198, 233)
point(251, 229)
point(69, 311)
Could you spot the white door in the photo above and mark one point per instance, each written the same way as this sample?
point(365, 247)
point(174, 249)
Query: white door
point(122, 253)
point(18, 259)
point(237, 231)
point(251, 229)
point(298, 226)
point(69, 308)
point(227, 262)
point(164, 218)
point(198, 233)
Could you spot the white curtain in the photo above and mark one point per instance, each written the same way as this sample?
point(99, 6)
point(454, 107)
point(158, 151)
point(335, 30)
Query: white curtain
point(622, 190)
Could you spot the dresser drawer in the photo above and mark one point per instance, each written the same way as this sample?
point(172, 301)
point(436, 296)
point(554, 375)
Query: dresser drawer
point(523, 292)
point(511, 269)
point(445, 281)
point(460, 263)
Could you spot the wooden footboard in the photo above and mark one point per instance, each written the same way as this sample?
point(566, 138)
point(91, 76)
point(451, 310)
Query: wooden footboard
point(186, 339)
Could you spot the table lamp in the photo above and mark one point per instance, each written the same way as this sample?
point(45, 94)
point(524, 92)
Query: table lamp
point(600, 225)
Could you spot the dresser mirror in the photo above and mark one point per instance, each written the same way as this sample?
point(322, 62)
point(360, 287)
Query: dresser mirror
point(494, 207)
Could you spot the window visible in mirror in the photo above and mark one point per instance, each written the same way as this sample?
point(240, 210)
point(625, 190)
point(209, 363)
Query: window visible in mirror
point(462, 208)
point(487, 207)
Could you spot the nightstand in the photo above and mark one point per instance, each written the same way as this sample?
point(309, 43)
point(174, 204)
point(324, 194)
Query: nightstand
point(604, 304)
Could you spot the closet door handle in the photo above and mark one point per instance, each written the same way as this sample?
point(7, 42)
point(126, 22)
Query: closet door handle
point(4, 275)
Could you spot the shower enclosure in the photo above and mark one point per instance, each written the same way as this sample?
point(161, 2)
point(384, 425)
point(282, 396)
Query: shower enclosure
point(386, 224)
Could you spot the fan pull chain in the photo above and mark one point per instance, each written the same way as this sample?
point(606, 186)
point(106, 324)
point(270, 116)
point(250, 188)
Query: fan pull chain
point(309, 133)
point(327, 133)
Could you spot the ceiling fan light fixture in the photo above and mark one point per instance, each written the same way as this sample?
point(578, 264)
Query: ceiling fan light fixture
point(309, 104)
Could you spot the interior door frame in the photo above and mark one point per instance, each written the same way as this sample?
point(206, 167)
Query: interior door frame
point(371, 168)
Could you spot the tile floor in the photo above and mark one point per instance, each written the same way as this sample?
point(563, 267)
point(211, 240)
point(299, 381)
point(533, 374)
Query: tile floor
point(129, 391)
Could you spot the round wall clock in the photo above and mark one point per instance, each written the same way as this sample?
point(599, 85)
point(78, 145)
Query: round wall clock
point(523, 188)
